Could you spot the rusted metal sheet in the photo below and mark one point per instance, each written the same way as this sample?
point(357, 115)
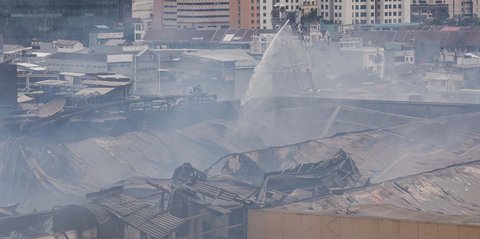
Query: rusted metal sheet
point(152, 221)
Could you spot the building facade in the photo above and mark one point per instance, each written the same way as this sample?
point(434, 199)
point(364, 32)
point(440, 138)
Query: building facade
point(246, 14)
point(22, 21)
point(204, 14)
point(142, 14)
point(354, 12)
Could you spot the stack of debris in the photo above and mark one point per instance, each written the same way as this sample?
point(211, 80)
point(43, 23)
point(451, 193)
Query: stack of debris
point(309, 180)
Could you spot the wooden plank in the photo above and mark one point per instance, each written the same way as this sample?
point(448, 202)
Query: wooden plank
point(273, 229)
point(256, 224)
point(387, 229)
point(292, 225)
point(348, 228)
point(427, 231)
point(407, 230)
point(447, 232)
point(311, 227)
point(329, 227)
point(473, 233)
point(367, 229)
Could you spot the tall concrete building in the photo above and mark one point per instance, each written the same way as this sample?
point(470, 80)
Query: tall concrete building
point(430, 9)
point(354, 12)
point(245, 14)
point(461, 8)
point(257, 14)
point(198, 14)
point(309, 5)
point(142, 14)
point(46, 20)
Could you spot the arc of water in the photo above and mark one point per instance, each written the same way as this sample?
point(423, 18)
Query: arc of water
point(254, 81)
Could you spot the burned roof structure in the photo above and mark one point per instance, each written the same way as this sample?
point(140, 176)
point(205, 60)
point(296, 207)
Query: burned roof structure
point(151, 221)
point(450, 191)
point(76, 219)
point(309, 180)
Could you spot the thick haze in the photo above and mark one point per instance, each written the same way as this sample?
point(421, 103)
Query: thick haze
point(59, 164)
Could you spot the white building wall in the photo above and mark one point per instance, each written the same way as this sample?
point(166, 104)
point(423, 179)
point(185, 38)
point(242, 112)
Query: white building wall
point(351, 12)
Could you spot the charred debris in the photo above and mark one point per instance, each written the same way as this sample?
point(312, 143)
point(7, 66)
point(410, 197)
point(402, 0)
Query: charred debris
point(93, 102)
point(192, 204)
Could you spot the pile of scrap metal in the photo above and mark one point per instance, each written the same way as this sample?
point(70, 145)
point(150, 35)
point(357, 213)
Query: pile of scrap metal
point(309, 180)
point(111, 214)
point(192, 204)
point(216, 206)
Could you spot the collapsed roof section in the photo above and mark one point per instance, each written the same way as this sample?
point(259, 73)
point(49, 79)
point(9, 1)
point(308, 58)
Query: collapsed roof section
point(309, 180)
point(451, 191)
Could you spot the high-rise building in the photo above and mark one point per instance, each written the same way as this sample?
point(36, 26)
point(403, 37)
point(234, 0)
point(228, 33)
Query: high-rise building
point(198, 14)
point(268, 8)
point(424, 10)
point(351, 12)
point(308, 6)
point(46, 20)
point(245, 14)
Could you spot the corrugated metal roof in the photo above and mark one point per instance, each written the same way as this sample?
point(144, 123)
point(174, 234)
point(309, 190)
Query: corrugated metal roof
point(119, 58)
point(78, 57)
point(139, 215)
point(113, 76)
point(105, 83)
point(216, 192)
point(51, 108)
point(450, 191)
point(51, 82)
point(93, 91)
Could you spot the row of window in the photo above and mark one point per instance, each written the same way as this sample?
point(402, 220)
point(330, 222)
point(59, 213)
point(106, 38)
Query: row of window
point(393, 14)
point(394, 6)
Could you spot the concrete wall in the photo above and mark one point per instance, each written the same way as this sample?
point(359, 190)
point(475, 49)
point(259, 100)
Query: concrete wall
point(284, 225)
